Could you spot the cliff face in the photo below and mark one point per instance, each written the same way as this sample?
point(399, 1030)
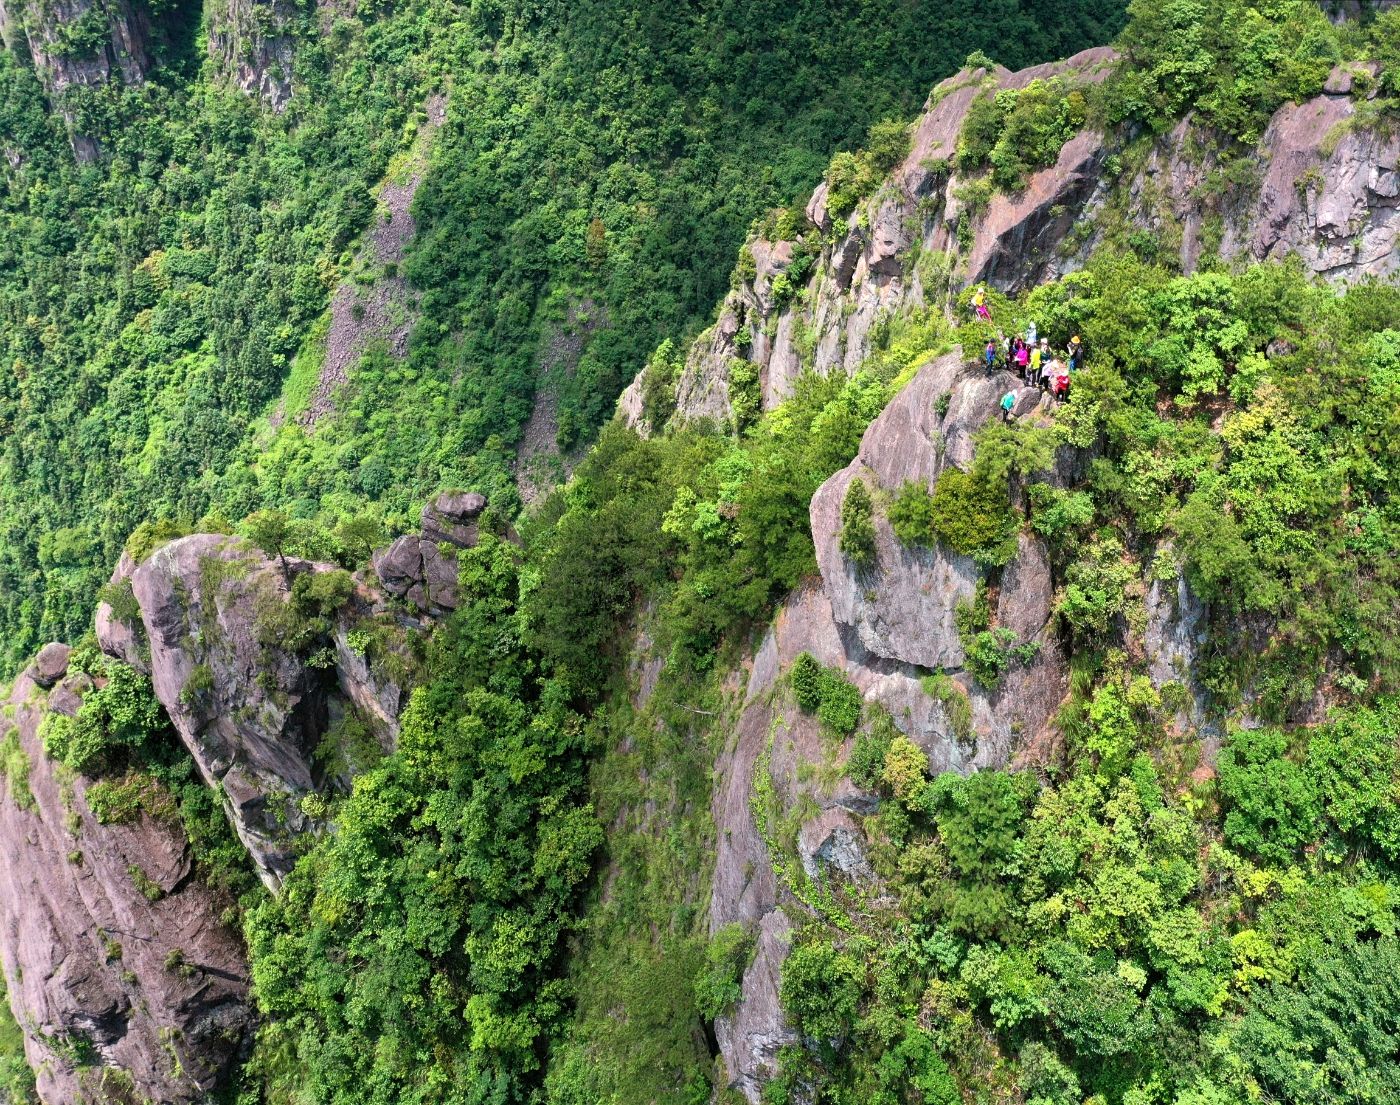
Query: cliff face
point(120, 967)
point(80, 44)
point(127, 981)
point(253, 43)
point(1328, 191)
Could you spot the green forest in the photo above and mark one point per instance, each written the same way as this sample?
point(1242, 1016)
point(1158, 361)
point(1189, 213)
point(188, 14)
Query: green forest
point(512, 907)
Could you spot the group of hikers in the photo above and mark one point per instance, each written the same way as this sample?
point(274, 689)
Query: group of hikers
point(1030, 357)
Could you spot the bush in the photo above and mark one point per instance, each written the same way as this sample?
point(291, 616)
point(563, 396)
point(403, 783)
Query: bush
point(858, 524)
point(972, 516)
point(807, 681)
point(1273, 808)
point(841, 703)
point(821, 991)
point(726, 958)
point(911, 514)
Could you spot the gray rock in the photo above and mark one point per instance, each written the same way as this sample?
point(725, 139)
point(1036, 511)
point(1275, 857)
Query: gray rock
point(50, 665)
point(834, 843)
point(451, 518)
point(67, 697)
point(252, 42)
point(751, 1036)
point(415, 570)
point(249, 711)
point(123, 640)
point(86, 952)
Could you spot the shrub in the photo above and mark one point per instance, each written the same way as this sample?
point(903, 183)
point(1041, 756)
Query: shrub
point(972, 516)
point(858, 524)
point(117, 802)
point(821, 991)
point(718, 986)
point(905, 770)
point(1096, 589)
point(841, 702)
point(1273, 807)
point(911, 514)
point(807, 681)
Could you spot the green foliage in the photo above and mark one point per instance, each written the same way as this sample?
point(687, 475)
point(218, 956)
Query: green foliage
point(972, 516)
point(852, 176)
point(858, 524)
point(826, 692)
point(1331, 1037)
point(14, 767)
point(120, 721)
point(726, 959)
point(16, 1078)
point(1272, 807)
point(1016, 131)
point(821, 991)
point(807, 677)
point(116, 802)
point(1230, 63)
point(1096, 590)
point(911, 514)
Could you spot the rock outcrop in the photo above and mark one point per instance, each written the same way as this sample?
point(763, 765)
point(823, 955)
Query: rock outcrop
point(249, 709)
point(118, 965)
point(887, 628)
point(253, 42)
point(1329, 193)
point(77, 44)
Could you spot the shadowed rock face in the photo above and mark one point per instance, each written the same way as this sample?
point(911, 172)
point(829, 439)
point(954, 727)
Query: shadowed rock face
point(152, 992)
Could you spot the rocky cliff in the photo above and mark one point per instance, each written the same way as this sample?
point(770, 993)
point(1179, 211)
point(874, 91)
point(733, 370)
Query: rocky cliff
point(119, 965)
point(1327, 190)
point(76, 44)
point(282, 677)
point(253, 44)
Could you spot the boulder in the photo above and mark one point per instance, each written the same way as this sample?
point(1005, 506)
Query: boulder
point(834, 844)
point(50, 665)
point(415, 570)
point(452, 518)
point(67, 697)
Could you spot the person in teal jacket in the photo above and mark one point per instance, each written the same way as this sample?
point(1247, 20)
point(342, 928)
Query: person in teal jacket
point(1008, 403)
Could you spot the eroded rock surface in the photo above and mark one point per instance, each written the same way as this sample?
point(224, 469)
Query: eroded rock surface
point(253, 42)
point(249, 710)
point(112, 948)
point(1329, 193)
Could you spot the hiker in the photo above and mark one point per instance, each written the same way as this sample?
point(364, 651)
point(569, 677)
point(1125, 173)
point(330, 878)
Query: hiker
point(1023, 360)
point(1008, 403)
point(979, 302)
point(1006, 352)
point(1076, 353)
point(1033, 369)
point(990, 354)
point(1062, 384)
point(1047, 369)
point(1030, 334)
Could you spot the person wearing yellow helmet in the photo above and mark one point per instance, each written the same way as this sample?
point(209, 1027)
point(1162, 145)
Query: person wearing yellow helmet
point(1076, 353)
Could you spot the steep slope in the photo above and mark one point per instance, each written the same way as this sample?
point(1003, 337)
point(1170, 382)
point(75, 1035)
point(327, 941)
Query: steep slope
point(1326, 191)
point(127, 979)
point(1325, 194)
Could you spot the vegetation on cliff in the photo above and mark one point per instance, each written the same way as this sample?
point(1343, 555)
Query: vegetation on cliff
point(510, 907)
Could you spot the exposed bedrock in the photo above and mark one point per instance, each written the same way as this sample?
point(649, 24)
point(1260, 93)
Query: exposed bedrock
point(118, 965)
